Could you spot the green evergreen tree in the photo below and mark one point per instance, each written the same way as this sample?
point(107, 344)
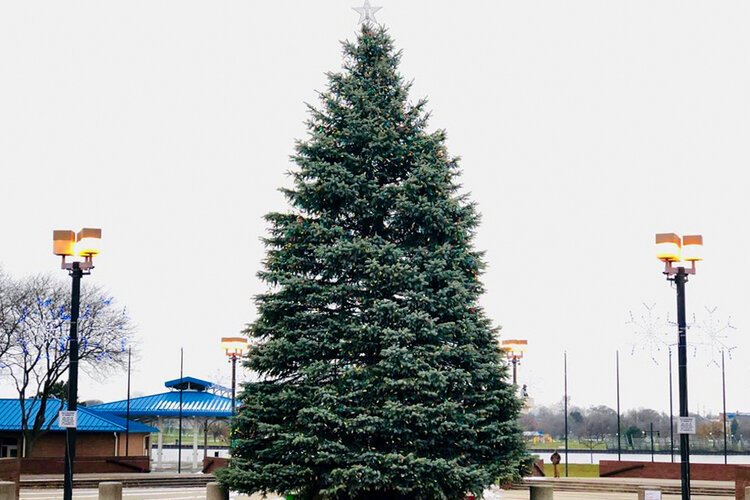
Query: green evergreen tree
point(381, 376)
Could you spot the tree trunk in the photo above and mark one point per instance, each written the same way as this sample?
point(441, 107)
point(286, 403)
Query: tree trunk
point(29, 440)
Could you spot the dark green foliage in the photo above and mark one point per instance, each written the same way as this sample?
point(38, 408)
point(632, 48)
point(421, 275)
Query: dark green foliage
point(632, 432)
point(526, 466)
point(381, 375)
point(58, 390)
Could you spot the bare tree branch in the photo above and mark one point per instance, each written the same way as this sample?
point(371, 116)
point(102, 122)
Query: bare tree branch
point(34, 341)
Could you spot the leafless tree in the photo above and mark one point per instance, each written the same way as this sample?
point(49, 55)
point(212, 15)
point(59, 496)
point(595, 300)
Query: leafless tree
point(9, 315)
point(547, 419)
point(600, 422)
point(37, 355)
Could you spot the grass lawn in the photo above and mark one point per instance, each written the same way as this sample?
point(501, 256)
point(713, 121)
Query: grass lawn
point(187, 439)
point(574, 470)
point(573, 444)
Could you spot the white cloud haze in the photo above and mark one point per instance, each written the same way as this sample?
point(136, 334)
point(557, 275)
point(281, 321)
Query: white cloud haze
point(584, 126)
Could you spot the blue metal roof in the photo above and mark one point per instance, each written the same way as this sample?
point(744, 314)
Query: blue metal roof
point(167, 404)
point(89, 420)
point(189, 383)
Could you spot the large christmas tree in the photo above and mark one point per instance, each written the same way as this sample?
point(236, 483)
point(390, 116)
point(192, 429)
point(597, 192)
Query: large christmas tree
point(380, 374)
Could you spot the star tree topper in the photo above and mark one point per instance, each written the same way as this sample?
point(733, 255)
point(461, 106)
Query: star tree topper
point(367, 12)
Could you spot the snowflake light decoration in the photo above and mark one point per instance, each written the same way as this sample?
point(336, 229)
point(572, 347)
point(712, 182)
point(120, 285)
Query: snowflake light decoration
point(650, 332)
point(713, 336)
point(693, 346)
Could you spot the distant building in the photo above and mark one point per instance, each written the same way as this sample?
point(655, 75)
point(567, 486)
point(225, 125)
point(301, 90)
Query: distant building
point(743, 420)
point(194, 401)
point(101, 428)
point(99, 434)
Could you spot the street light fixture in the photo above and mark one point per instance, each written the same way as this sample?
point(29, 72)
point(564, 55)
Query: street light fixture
point(67, 244)
point(514, 349)
point(234, 348)
point(674, 252)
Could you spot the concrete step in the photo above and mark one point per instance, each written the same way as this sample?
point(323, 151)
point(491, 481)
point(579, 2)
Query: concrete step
point(135, 482)
point(591, 485)
point(614, 486)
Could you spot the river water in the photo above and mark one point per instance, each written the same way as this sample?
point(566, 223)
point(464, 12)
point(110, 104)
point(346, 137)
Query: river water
point(574, 456)
point(585, 457)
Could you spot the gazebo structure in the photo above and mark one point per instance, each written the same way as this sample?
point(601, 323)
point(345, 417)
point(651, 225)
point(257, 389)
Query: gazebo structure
point(201, 401)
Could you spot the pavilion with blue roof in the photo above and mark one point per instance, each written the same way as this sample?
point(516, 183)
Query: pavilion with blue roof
point(100, 432)
point(201, 401)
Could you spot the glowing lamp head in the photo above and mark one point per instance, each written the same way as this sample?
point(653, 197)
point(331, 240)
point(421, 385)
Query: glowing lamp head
point(692, 248)
point(668, 247)
point(514, 348)
point(234, 346)
point(62, 242)
point(88, 242)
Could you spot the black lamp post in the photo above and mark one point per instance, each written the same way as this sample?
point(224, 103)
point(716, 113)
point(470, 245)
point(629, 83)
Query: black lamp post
point(724, 404)
point(67, 244)
point(179, 414)
point(651, 431)
point(565, 406)
point(127, 413)
point(671, 411)
point(671, 249)
point(619, 430)
point(234, 348)
point(234, 380)
point(515, 362)
point(514, 349)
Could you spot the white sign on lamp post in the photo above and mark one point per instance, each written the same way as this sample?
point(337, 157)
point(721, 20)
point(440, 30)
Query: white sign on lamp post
point(67, 419)
point(686, 425)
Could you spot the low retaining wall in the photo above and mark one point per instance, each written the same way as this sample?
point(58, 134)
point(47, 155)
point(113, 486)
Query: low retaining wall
point(742, 481)
point(10, 470)
point(537, 469)
point(210, 464)
point(739, 474)
point(666, 470)
point(86, 465)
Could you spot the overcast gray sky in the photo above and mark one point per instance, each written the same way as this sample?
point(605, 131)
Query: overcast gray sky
point(585, 127)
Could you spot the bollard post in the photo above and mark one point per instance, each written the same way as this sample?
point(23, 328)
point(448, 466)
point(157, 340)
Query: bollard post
point(540, 492)
point(7, 490)
point(110, 491)
point(214, 491)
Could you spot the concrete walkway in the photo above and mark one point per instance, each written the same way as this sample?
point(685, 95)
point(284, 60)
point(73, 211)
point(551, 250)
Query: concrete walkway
point(576, 495)
point(636, 481)
point(200, 494)
point(585, 488)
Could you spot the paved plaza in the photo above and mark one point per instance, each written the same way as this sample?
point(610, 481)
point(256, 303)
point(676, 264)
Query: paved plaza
point(193, 487)
point(200, 493)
